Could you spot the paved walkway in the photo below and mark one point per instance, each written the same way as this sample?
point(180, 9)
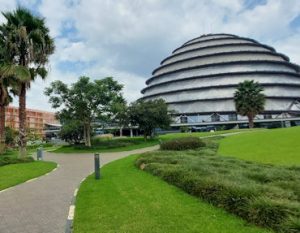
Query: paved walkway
point(42, 205)
point(222, 135)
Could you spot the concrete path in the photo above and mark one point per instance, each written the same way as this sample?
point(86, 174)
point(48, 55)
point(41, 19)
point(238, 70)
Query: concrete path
point(42, 205)
point(222, 135)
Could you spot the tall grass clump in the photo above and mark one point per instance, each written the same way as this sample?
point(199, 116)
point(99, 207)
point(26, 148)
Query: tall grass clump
point(265, 195)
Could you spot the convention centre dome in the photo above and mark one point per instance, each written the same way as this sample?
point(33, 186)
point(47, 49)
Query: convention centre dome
point(198, 80)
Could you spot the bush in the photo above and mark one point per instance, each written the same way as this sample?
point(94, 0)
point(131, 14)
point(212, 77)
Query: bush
point(184, 129)
point(2, 148)
point(6, 160)
point(268, 213)
point(10, 136)
point(187, 143)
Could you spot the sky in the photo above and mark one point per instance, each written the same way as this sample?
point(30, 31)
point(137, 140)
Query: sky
point(127, 39)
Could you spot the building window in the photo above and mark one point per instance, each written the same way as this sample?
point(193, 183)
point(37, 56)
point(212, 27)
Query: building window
point(183, 119)
point(215, 117)
point(232, 117)
point(267, 116)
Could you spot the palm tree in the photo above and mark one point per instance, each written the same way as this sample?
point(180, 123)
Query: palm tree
point(249, 100)
point(29, 45)
point(10, 74)
point(4, 101)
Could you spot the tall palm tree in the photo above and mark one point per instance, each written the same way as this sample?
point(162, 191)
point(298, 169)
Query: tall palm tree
point(4, 101)
point(29, 45)
point(10, 74)
point(249, 100)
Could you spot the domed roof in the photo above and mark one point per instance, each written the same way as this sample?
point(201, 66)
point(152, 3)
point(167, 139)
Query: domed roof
point(209, 67)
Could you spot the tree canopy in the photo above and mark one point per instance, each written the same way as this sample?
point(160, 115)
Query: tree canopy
point(149, 115)
point(85, 101)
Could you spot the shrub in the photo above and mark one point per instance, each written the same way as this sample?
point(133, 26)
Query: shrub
point(184, 129)
point(188, 143)
point(2, 148)
point(10, 136)
point(6, 160)
point(268, 213)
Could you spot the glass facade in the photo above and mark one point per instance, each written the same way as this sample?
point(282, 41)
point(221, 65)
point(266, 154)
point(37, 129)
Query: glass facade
point(216, 117)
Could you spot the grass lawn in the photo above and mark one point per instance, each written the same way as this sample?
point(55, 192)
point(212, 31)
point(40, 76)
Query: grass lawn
point(14, 152)
point(127, 199)
point(14, 174)
point(276, 146)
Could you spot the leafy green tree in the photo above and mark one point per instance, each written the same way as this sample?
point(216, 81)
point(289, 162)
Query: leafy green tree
point(28, 44)
point(120, 115)
point(72, 131)
point(149, 115)
point(85, 101)
point(249, 100)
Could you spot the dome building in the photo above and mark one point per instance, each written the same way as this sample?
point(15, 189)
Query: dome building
point(198, 81)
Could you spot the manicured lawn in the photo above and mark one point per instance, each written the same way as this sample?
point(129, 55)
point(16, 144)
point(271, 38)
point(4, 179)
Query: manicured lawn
point(14, 152)
point(127, 199)
point(14, 174)
point(276, 146)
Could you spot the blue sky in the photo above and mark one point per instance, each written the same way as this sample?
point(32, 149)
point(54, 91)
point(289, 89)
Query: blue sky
point(127, 39)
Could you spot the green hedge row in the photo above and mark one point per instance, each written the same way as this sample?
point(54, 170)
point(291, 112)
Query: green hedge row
point(6, 160)
point(187, 143)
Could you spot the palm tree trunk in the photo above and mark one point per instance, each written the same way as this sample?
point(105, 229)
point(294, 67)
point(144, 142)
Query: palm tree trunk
point(2, 127)
point(22, 120)
point(84, 134)
point(88, 135)
point(121, 131)
point(131, 132)
point(251, 123)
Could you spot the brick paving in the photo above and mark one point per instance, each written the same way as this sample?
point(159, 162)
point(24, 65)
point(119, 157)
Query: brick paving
point(42, 205)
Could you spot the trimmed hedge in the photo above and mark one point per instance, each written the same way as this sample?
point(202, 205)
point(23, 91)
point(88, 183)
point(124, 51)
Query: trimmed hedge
point(6, 160)
point(265, 195)
point(188, 143)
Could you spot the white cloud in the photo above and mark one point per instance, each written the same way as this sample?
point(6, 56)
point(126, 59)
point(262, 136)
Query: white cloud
point(6, 6)
point(266, 21)
point(127, 39)
point(56, 13)
point(290, 47)
point(74, 51)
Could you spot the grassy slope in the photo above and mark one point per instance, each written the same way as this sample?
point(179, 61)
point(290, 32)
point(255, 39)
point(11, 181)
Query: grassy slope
point(129, 200)
point(14, 174)
point(277, 146)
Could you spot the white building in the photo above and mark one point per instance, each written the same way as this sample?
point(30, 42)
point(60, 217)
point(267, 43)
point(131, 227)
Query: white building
point(198, 80)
